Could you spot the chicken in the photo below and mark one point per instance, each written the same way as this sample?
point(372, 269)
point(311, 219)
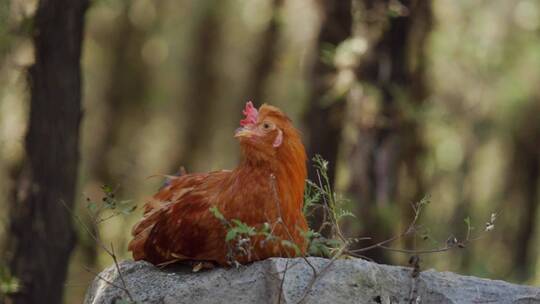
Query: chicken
point(266, 187)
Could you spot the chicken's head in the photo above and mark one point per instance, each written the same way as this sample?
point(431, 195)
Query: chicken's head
point(267, 133)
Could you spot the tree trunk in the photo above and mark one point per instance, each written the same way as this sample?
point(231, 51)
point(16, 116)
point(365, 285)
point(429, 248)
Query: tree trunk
point(393, 88)
point(325, 115)
point(522, 188)
point(41, 231)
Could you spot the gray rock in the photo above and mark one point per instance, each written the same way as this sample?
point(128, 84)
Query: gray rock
point(342, 281)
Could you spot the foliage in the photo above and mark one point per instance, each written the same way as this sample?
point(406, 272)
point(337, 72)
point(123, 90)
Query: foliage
point(320, 195)
point(109, 202)
point(321, 246)
point(239, 236)
point(8, 283)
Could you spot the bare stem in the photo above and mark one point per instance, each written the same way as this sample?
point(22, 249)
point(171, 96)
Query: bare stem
point(283, 282)
point(110, 251)
point(280, 218)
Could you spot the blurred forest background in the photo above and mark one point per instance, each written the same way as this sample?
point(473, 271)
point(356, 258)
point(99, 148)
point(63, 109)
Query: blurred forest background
point(405, 98)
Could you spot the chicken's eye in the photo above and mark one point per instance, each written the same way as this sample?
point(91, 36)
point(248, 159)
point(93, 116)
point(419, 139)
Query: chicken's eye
point(267, 126)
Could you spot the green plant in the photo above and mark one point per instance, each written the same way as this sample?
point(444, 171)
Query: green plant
point(95, 210)
point(239, 236)
point(320, 195)
point(109, 202)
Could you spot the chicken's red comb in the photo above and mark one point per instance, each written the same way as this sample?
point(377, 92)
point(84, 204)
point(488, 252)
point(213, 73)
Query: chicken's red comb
point(251, 115)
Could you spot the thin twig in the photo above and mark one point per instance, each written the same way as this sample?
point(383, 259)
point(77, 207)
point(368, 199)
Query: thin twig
point(380, 244)
point(411, 228)
point(120, 273)
point(278, 203)
point(283, 282)
point(325, 206)
point(104, 280)
point(413, 290)
point(85, 227)
point(103, 219)
point(319, 274)
point(110, 252)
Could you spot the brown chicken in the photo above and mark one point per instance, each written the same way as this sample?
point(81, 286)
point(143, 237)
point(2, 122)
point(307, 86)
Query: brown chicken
point(267, 187)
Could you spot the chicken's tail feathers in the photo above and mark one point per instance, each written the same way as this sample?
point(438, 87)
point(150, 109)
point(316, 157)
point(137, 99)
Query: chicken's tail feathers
point(138, 243)
point(141, 230)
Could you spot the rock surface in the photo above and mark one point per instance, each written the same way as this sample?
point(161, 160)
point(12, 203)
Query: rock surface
point(342, 281)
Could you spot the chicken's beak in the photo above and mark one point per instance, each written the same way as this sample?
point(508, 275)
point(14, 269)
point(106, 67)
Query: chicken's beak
point(243, 132)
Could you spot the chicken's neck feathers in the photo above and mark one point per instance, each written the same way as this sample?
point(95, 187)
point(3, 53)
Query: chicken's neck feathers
point(282, 179)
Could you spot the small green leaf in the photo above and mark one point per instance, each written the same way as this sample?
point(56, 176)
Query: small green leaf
point(318, 248)
point(292, 245)
point(341, 213)
point(231, 235)
point(265, 228)
point(215, 211)
point(107, 189)
point(129, 209)
point(334, 243)
point(238, 222)
point(91, 206)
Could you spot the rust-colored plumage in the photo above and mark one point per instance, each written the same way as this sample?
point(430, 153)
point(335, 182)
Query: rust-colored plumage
point(267, 186)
